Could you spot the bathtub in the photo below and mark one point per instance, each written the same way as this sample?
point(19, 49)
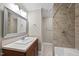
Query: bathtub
point(61, 51)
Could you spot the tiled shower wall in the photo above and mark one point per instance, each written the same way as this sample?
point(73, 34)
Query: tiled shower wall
point(77, 26)
point(64, 25)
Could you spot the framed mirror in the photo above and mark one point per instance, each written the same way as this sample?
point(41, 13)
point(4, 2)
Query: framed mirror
point(14, 24)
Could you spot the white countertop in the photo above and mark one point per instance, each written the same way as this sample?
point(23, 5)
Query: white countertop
point(19, 47)
point(60, 51)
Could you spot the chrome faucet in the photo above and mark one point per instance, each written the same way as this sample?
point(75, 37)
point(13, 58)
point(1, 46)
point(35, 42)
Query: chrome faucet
point(23, 38)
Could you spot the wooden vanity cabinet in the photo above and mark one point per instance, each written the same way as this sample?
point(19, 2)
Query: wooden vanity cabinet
point(31, 51)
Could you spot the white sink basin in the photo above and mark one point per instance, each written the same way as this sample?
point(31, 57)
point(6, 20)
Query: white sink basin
point(25, 41)
point(20, 45)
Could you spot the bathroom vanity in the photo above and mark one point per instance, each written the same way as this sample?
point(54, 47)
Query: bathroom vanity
point(21, 49)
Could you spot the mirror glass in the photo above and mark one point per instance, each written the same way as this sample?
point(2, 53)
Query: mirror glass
point(14, 24)
point(0, 24)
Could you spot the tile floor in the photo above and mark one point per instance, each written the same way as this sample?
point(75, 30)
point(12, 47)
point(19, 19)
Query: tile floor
point(47, 49)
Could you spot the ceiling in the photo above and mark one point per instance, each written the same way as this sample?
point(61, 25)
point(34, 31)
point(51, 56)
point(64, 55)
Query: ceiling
point(34, 6)
point(46, 7)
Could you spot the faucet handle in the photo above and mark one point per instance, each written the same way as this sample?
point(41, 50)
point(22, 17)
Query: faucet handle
point(23, 38)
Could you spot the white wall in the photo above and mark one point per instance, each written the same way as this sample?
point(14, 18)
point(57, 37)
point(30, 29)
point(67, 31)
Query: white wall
point(0, 30)
point(35, 24)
